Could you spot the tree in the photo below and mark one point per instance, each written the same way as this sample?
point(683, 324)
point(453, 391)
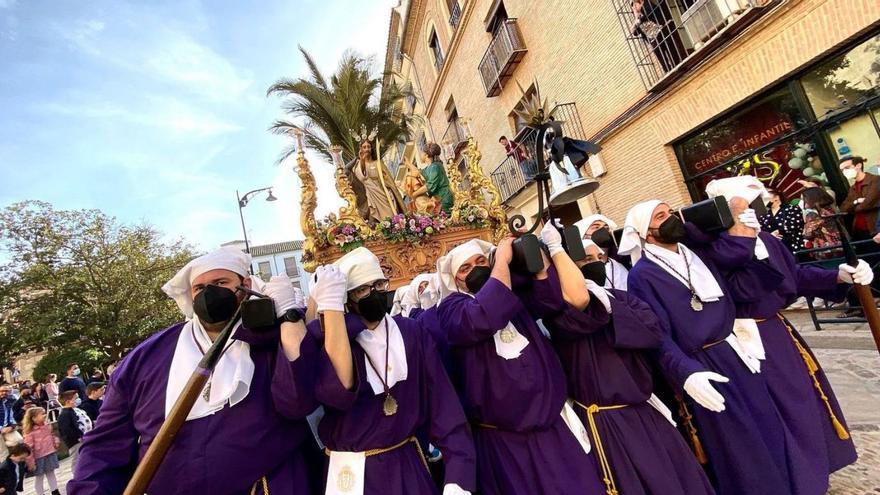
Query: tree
point(80, 279)
point(332, 109)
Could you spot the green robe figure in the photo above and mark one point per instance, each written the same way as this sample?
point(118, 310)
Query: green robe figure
point(436, 181)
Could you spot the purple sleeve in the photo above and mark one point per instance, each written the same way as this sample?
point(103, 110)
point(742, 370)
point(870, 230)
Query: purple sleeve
point(447, 425)
point(470, 321)
point(813, 281)
point(571, 324)
point(636, 326)
point(727, 251)
point(675, 364)
point(545, 296)
point(109, 453)
point(752, 280)
point(329, 389)
point(293, 381)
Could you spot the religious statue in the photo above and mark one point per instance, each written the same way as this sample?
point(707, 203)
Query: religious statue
point(377, 195)
point(414, 188)
point(436, 183)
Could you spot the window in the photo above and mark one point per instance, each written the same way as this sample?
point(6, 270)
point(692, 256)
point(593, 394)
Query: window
point(434, 45)
point(290, 267)
point(516, 120)
point(844, 80)
point(454, 12)
point(497, 16)
point(264, 270)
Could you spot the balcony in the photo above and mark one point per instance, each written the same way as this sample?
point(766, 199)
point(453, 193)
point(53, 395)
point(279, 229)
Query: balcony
point(397, 155)
point(454, 15)
point(515, 172)
point(668, 37)
point(501, 58)
point(454, 136)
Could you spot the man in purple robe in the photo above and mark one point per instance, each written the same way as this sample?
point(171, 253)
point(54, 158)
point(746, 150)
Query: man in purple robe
point(243, 433)
point(734, 416)
point(603, 338)
point(817, 439)
point(381, 384)
point(510, 379)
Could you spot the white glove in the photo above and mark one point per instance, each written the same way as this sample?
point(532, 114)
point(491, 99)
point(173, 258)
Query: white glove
point(860, 274)
point(428, 298)
point(698, 386)
point(300, 299)
point(551, 238)
point(454, 489)
point(859, 201)
point(282, 293)
point(329, 292)
point(749, 219)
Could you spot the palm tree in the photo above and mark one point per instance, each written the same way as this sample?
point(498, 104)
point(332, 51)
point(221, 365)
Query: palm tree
point(348, 102)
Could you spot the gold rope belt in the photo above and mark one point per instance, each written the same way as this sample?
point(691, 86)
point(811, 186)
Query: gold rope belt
point(265, 486)
point(713, 344)
point(608, 477)
point(812, 368)
point(380, 451)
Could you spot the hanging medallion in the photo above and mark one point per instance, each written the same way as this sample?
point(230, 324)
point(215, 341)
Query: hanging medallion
point(389, 407)
point(696, 303)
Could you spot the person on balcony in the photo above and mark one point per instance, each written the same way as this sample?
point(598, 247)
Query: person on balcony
point(528, 439)
point(656, 26)
point(522, 156)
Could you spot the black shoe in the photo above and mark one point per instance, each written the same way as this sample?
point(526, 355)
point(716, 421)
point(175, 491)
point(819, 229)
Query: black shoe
point(56, 492)
point(852, 313)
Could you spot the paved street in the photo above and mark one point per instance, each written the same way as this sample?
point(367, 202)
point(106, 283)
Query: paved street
point(853, 366)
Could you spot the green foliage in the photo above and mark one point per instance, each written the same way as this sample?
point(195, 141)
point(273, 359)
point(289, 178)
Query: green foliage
point(57, 360)
point(331, 109)
point(79, 278)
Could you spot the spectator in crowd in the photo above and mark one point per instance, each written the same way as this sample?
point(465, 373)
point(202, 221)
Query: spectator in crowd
point(73, 382)
point(784, 221)
point(51, 387)
point(11, 470)
point(73, 423)
point(43, 460)
point(39, 395)
point(863, 199)
point(97, 376)
point(92, 404)
point(7, 419)
point(820, 229)
point(19, 405)
point(15, 374)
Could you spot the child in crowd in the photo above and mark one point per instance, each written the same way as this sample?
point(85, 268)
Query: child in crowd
point(11, 472)
point(43, 460)
point(94, 399)
point(73, 423)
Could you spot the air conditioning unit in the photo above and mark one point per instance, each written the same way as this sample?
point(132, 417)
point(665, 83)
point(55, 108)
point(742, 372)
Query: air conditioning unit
point(706, 17)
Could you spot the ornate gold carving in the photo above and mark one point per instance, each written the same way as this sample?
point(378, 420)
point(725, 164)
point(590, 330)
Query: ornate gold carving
point(421, 258)
point(459, 197)
point(308, 203)
point(480, 183)
point(348, 213)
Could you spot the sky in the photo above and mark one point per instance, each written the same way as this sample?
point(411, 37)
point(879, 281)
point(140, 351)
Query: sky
point(156, 111)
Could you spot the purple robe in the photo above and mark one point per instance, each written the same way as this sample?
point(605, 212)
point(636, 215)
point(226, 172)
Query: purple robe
point(745, 443)
point(354, 422)
point(814, 448)
point(605, 359)
point(523, 445)
point(224, 453)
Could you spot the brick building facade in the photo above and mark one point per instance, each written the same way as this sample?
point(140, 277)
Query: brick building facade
point(648, 114)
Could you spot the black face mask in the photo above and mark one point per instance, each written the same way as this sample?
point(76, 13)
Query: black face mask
point(373, 307)
point(595, 271)
point(215, 304)
point(671, 231)
point(477, 278)
point(602, 238)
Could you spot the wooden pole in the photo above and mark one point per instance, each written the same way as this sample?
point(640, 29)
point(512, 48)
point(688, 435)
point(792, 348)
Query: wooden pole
point(155, 454)
point(863, 292)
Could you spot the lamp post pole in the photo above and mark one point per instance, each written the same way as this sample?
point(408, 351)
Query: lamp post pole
point(242, 202)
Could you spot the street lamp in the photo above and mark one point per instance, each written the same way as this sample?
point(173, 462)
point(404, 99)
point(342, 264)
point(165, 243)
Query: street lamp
point(242, 202)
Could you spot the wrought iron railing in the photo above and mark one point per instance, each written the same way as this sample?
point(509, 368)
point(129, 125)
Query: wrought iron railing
point(454, 135)
point(663, 34)
point(438, 60)
point(454, 15)
point(517, 169)
point(505, 51)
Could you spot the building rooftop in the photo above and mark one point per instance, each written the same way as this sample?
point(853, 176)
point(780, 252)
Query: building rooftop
point(278, 247)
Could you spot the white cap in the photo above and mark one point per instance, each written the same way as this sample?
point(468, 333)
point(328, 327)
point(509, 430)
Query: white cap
point(360, 266)
point(179, 287)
